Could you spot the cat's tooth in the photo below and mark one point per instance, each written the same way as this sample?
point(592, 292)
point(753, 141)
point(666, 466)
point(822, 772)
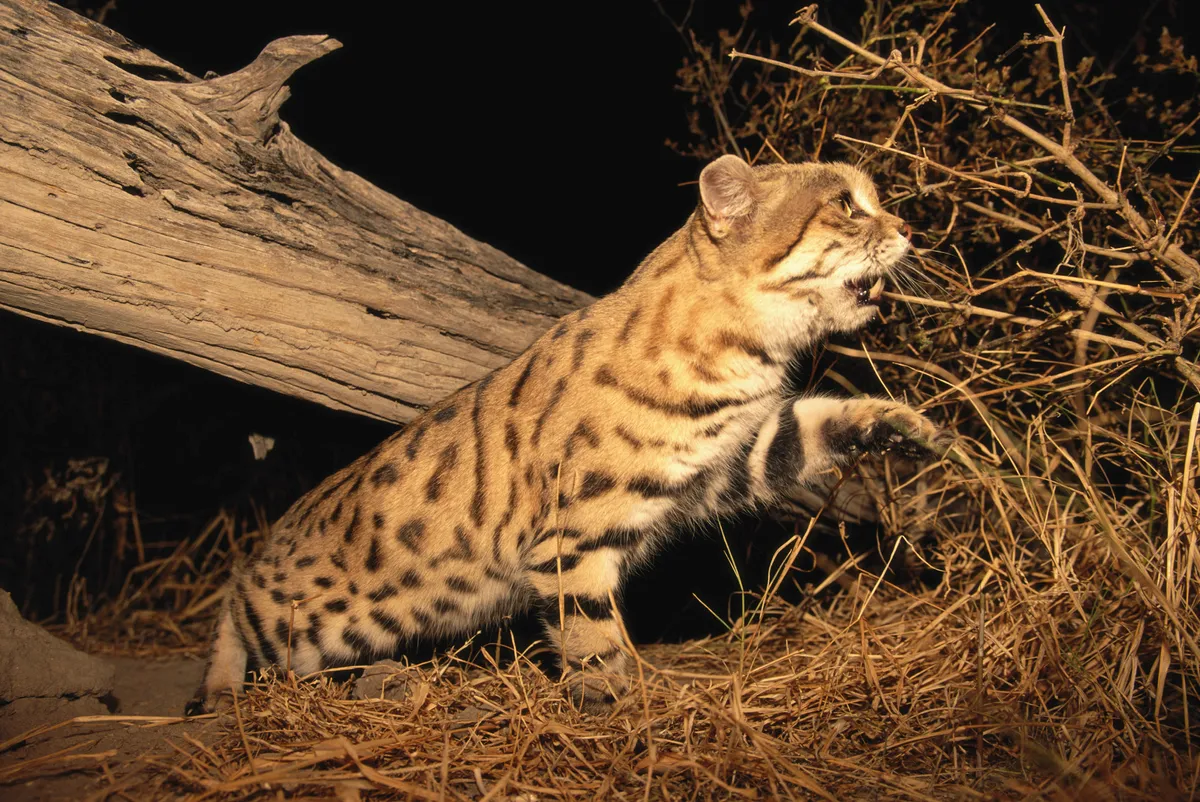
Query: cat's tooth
point(876, 290)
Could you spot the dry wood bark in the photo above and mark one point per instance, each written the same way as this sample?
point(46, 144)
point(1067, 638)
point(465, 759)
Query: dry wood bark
point(181, 215)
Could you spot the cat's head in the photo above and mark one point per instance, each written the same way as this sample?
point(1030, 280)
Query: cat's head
point(808, 245)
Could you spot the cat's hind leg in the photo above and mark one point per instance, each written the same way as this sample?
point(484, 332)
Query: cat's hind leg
point(226, 669)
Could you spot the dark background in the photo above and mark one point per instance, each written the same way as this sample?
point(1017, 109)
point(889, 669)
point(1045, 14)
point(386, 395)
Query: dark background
point(539, 128)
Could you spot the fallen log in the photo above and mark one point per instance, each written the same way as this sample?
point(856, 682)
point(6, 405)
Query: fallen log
point(181, 215)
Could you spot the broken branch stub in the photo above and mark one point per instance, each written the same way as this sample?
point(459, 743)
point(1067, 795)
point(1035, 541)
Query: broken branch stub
point(249, 99)
point(181, 215)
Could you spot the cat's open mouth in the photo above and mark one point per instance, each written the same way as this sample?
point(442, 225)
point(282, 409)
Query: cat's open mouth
point(866, 290)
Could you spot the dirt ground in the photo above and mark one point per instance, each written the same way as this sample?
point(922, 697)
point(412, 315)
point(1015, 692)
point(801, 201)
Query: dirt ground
point(107, 752)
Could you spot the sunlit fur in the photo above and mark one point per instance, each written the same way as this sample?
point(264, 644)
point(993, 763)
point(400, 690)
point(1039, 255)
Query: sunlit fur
point(660, 406)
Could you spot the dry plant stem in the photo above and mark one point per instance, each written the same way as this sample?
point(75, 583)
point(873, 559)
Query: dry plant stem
point(1090, 319)
point(1185, 266)
point(651, 748)
point(979, 311)
point(69, 755)
point(1094, 305)
point(1056, 36)
point(1024, 194)
point(1021, 225)
point(1186, 368)
point(1183, 207)
point(46, 729)
point(1135, 569)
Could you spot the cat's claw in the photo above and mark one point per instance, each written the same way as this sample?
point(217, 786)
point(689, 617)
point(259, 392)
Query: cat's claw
point(899, 429)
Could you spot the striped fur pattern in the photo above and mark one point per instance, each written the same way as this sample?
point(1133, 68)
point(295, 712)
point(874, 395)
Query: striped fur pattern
point(543, 484)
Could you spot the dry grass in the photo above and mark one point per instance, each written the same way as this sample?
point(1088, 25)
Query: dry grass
point(167, 603)
point(1005, 691)
point(1057, 655)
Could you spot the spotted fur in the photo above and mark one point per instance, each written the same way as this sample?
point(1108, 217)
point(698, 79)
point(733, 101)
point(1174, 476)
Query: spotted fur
point(541, 485)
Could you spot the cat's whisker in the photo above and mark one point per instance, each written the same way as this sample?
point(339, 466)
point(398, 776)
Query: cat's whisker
point(913, 273)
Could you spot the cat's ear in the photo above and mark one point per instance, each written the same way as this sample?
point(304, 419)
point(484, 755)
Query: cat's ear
point(727, 192)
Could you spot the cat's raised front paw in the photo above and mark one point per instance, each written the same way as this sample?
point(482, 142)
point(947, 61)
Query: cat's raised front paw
point(883, 427)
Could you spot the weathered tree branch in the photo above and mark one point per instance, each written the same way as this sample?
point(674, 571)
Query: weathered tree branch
point(181, 215)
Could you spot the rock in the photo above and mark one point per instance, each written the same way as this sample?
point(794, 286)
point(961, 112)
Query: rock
point(34, 663)
point(470, 715)
point(382, 681)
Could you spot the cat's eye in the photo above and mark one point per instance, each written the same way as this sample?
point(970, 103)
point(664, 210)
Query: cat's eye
point(851, 210)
